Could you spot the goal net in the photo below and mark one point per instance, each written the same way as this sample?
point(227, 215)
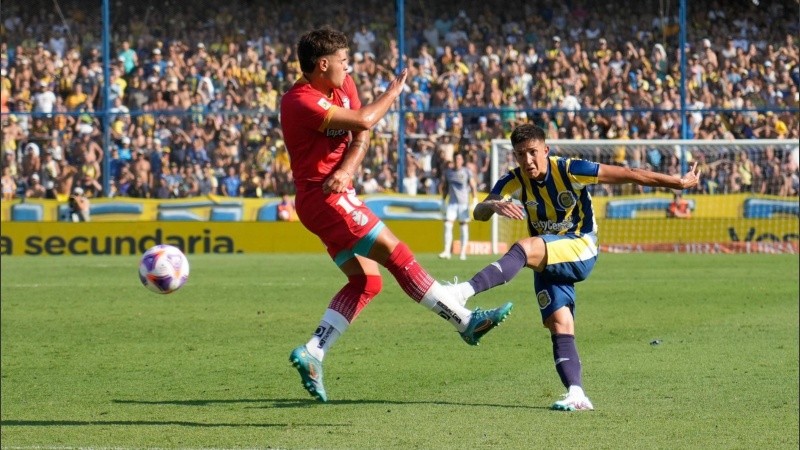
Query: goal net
point(747, 200)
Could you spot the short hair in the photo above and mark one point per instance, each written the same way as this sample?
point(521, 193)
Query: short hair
point(526, 132)
point(318, 43)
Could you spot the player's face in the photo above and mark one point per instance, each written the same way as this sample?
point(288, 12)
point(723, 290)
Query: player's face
point(336, 67)
point(531, 156)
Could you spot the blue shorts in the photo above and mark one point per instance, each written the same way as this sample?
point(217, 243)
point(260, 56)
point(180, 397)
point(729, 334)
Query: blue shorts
point(570, 259)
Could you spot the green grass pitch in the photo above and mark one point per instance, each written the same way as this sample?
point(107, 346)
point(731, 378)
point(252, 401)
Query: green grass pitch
point(92, 359)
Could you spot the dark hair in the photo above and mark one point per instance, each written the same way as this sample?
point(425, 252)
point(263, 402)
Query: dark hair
point(318, 43)
point(526, 132)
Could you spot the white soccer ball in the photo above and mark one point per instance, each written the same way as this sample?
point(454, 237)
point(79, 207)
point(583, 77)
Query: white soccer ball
point(163, 269)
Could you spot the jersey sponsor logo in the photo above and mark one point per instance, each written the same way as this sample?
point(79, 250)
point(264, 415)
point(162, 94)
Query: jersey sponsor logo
point(548, 226)
point(333, 133)
point(566, 199)
point(324, 104)
point(543, 297)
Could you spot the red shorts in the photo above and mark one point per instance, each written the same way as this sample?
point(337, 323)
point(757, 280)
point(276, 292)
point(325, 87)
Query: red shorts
point(339, 220)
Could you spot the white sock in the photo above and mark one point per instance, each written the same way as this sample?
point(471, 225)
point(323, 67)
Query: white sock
point(576, 391)
point(466, 289)
point(330, 328)
point(437, 300)
point(448, 237)
point(464, 238)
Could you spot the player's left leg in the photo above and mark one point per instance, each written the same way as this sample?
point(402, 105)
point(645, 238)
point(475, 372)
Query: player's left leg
point(418, 284)
point(569, 261)
point(565, 354)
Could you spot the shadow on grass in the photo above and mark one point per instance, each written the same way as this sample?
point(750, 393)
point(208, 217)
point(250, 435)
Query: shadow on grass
point(181, 423)
point(296, 403)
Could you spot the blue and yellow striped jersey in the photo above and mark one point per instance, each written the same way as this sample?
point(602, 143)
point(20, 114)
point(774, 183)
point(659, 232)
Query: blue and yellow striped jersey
point(558, 205)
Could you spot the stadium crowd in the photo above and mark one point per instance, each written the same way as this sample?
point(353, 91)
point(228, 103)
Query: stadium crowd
point(195, 91)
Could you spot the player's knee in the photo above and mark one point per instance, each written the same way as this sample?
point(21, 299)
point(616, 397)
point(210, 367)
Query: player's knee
point(532, 245)
point(535, 251)
point(371, 285)
point(374, 285)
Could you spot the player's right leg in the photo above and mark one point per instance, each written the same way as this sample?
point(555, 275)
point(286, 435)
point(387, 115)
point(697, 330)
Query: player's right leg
point(448, 240)
point(325, 216)
point(364, 283)
point(450, 215)
point(464, 240)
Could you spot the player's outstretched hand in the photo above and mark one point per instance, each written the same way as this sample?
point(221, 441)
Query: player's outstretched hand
point(506, 208)
point(691, 178)
point(396, 86)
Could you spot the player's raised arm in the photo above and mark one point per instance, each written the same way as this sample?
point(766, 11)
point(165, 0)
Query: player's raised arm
point(609, 174)
point(366, 117)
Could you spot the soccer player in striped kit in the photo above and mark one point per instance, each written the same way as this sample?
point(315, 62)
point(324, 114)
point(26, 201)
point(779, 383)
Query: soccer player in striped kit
point(562, 247)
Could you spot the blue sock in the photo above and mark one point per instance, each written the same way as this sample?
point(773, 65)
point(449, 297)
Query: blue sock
point(500, 271)
point(568, 364)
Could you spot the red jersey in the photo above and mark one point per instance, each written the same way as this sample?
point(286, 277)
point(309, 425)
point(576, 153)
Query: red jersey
point(315, 150)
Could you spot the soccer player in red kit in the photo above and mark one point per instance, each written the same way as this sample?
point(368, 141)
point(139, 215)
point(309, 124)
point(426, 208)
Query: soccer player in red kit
point(326, 131)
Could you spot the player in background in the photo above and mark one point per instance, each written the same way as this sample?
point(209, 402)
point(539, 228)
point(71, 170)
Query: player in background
point(457, 184)
point(326, 131)
point(562, 247)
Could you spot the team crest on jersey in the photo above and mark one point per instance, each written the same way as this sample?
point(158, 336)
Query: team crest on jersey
point(359, 218)
point(566, 199)
point(543, 297)
point(324, 104)
point(346, 102)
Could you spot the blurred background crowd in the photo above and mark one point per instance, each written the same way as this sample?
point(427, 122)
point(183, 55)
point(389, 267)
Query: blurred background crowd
point(196, 88)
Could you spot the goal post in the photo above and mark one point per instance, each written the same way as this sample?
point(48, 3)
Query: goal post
point(747, 200)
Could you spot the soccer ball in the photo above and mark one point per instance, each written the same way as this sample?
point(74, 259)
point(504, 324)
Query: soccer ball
point(163, 269)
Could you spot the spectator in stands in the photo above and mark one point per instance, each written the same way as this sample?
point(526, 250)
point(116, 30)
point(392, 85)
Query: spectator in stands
point(79, 206)
point(679, 207)
point(501, 62)
point(286, 212)
point(140, 187)
point(231, 184)
point(35, 188)
point(9, 184)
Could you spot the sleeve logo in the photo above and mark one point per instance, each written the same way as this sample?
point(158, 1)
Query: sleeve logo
point(324, 104)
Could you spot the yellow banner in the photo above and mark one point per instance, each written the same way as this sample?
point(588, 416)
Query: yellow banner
point(133, 238)
point(622, 231)
point(129, 238)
